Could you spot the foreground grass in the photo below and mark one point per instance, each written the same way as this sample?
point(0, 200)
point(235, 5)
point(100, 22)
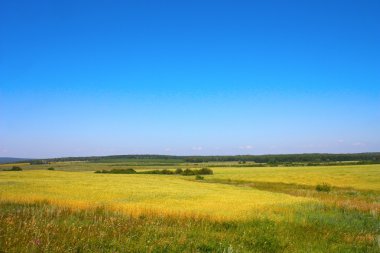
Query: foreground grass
point(40, 227)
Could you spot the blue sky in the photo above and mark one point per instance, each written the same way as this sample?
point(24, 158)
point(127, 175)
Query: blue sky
point(188, 77)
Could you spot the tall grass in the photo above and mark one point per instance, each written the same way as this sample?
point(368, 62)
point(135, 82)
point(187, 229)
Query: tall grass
point(41, 227)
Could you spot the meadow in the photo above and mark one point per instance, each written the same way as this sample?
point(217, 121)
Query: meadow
point(237, 209)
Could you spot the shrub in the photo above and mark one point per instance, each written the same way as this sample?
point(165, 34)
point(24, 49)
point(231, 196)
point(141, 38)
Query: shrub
point(188, 172)
point(205, 171)
point(178, 171)
point(157, 172)
point(199, 177)
point(51, 168)
point(15, 168)
point(150, 172)
point(167, 172)
point(323, 187)
point(117, 171)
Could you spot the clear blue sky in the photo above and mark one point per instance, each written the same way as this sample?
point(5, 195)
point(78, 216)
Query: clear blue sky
point(189, 77)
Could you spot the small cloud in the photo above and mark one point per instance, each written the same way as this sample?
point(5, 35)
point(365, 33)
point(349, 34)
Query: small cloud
point(197, 148)
point(340, 141)
point(246, 147)
point(167, 149)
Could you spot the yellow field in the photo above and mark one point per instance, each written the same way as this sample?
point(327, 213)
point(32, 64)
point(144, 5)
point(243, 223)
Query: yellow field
point(179, 194)
point(365, 177)
point(135, 193)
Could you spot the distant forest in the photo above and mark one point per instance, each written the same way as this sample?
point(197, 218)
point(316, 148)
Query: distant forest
point(273, 159)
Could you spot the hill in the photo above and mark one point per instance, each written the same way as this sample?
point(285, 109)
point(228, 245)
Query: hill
point(11, 159)
point(278, 158)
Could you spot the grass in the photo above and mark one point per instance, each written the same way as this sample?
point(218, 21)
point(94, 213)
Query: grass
point(235, 210)
point(323, 187)
point(364, 177)
point(40, 227)
point(139, 192)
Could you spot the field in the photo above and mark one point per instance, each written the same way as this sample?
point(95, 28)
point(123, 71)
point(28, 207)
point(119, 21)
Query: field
point(238, 209)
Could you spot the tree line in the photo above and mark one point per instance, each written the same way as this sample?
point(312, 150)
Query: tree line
point(280, 158)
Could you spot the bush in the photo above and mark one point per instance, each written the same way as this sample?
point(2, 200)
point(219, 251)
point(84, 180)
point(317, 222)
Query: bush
point(199, 177)
point(14, 168)
point(151, 172)
point(323, 187)
point(178, 171)
point(205, 171)
point(167, 172)
point(117, 171)
point(188, 172)
point(51, 168)
point(154, 172)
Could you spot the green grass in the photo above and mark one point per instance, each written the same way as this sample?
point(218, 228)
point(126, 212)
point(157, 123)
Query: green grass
point(40, 227)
